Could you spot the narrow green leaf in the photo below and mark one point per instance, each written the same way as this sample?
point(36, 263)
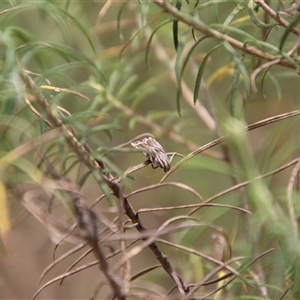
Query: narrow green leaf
point(254, 17)
point(196, 3)
point(275, 82)
point(144, 13)
point(84, 177)
point(61, 16)
point(178, 68)
point(150, 40)
point(200, 72)
point(67, 6)
point(63, 68)
point(194, 35)
point(126, 86)
point(70, 167)
point(132, 123)
point(106, 190)
point(175, 34)
point(188, 55)
point(67, 53)
point(233, 105)
point(293, 24)
point(277, 86)
point(23, 34)
point(235, 11)
point(216, 9)
point(139, 97)
point(262, 83)
point(264, 46)
point(240, 65)
point(175, 26)
point(105, 127)
point(8, 106)
point(81, 27)
point(283, 247)
point(147, 88)
point(119, 20)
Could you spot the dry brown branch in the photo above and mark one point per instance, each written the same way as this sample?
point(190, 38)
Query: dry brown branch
point(200, 254)
point(276, 16)
point(190, 21)
point(62, 276)
point(199, 109)
point(80, 258)
point(206, 279)
point(268, 65)
point(61, 258)
point(291, 208)
point(143, 272)
point(145, 210)
point(86, 217)
point(177, 184)
point(222, 139)
point(242, 184)
point(152, 237)
point(234, 276)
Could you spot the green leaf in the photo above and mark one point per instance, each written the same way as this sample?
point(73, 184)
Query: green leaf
point(200, 72)
point(129, 83)
point(81, 27)
point(178, 68)
point(263, 46)
point(188, 55)
point(67, 53)
point(233, 105)
point(275, 82)
point(254, 18)
point(240, 65)
point(150, 40)
point(84, 178)
point(235, 11)
point(62, 68)
point(71, 166)
point(175, 26)
point(106, 127)
point(119, 20)
point(132, 123)
point(293, 24)
point(61, 16)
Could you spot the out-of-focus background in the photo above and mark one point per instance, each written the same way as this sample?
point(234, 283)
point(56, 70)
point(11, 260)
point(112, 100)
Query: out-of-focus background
point(116, 70)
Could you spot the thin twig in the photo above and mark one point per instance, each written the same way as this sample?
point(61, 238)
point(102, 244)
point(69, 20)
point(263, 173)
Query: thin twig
point(242, 184)
point(276, 16)
point(84, 152)
point(250, 127)
point(205, 29)
point(290, 204)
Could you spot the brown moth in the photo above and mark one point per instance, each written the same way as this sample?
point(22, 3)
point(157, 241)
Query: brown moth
point(154, 152)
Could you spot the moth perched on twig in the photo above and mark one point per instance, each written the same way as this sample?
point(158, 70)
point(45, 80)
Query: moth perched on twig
point(154, 152)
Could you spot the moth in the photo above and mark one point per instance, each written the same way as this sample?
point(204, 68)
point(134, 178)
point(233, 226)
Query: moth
point(154, 152)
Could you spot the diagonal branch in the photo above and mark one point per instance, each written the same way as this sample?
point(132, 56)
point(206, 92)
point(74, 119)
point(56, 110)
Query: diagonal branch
point(276, 16)
point(205, 29)
point(84, 152)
